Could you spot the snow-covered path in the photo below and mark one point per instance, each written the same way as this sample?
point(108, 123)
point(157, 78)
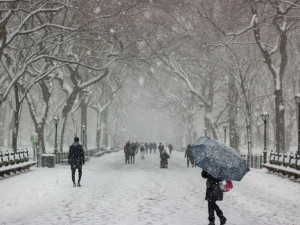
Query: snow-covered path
point(142, 194)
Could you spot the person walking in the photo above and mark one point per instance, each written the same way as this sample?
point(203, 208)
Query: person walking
point(170, 148)
point(146, 147)
point(189, 156)
point(132, 153)
point(161, 148)
point(76, 160)
point(137, 147)
point(213, 194)
point(154, 147)
point(142, 152)
point(127, 150)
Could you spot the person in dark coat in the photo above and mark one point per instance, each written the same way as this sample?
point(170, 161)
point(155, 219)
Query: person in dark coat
point(132, 152)
point(146, 147)
point(213, 194)
point(170, 148)
point(164, 159)
point(161, 148)
point(76, 160)
point(127, 150)
point(154, 147)
point(150, 147)
point(189, 156)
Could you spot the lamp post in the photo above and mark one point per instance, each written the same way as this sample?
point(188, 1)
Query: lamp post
point(225, 129)
point(297, 98)
point(56, 121)
point(265, 117)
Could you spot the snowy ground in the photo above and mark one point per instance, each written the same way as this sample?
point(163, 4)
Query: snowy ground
point(142, 194)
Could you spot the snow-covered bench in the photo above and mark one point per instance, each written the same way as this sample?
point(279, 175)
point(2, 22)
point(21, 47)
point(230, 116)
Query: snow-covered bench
point(12, 162)
point(292, 161)
point(290, 172)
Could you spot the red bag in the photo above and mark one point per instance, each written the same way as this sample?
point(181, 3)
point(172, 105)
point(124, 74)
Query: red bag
point(227, 185)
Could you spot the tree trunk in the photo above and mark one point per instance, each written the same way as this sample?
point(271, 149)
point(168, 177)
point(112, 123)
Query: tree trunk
point(16, 119)
point(64, 114)
point(232, 111)
point(83, 108)
point(280, 122)
point(105, 128)
point(98, 131)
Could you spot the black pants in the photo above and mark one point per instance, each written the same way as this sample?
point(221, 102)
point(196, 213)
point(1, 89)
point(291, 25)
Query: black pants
point(126, 159)
point(73, 168)
point(212, 207)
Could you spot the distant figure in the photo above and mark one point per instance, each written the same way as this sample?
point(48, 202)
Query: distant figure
point(189, 156)
point(161, 148)
point(170, 148)
point(213, 194)
point(142, 152)
point(150, 147)
point(76, 160)
point(146, 147)
point(132, 152)
point(164, 159)
point(154, 147)
point(127, 150)
point(137, 147)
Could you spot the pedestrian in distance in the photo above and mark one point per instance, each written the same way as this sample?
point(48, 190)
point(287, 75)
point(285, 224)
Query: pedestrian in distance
point(189, 156)
point(150, 147)
point(127, 150)
point(154, 147)
point(170, 148)
point(146, 147)
point(161, 148)
point(76, 160)
point(142, 152)
point(213, 194)
point(164, 159)
point(132, 153)
point(137, 147)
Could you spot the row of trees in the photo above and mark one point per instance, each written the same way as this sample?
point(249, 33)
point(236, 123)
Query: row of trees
point(227, 61)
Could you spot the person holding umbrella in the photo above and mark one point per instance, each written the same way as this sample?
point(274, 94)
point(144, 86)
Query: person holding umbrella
point(213, 194)
point(219, 162)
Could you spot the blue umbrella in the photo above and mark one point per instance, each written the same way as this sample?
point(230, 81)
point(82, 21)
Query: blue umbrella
point(218, 159)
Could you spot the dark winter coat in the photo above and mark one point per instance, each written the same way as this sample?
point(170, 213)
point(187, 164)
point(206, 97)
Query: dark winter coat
point(76, 155)
point(188, 153)
point(127, 149)
point(170, 147)
point(213, 191)
point(132, 150)
point(164, 157)
point(161, 148)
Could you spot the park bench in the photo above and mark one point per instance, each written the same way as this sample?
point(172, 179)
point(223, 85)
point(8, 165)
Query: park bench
point(292, 161)
point(13, 162)
point(284, 164)
point(282, 170)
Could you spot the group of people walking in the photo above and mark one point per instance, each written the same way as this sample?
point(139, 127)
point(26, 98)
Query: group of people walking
point(213, 191)
point(131, 149)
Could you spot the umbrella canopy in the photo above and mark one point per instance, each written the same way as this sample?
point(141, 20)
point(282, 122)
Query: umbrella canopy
point(218, 159)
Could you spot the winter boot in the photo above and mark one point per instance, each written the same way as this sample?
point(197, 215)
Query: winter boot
point(211, 223)
point(222, 220)
point(78, 184)
point(74, 185)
